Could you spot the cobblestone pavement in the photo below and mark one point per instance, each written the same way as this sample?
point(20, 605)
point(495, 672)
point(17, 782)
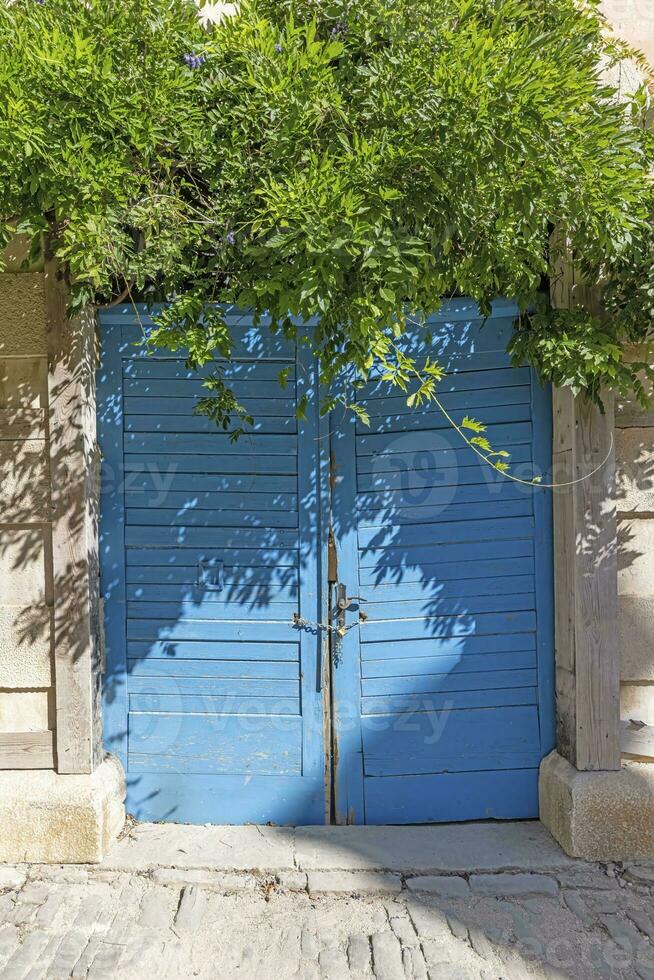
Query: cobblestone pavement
point(80, 922)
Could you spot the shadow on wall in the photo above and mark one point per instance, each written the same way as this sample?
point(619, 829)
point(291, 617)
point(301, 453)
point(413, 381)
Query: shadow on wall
point(49, 478)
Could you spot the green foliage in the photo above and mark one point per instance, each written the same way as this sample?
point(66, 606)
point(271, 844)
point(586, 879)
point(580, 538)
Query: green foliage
point(352, 159)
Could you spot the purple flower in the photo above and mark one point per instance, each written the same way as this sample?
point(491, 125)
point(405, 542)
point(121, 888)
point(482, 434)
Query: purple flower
point(230, 238)
point(194, 60)
point(339, 29)
point(278, 48)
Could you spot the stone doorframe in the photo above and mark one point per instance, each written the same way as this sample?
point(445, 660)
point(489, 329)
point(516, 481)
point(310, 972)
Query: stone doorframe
point(69, 808)
point(594, 804)
point(61, 798)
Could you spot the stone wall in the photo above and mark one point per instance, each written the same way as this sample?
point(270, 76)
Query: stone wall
point(26, 653)
point(633, 20)
point(635, 501)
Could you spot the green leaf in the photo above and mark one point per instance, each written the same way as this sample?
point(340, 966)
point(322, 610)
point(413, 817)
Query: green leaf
point(473, 424)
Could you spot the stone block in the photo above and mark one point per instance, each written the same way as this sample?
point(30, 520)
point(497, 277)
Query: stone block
point(23, 571)
point(353, 883)
point(22, 313)
point(26, 711)
point(25, 481)
point(633, 21)
point(220, 881)
point(598, 816)
point(49, 818)
point(636, 638)
point(23, 383)
point(25, 646)
point(16, 255)
point(445, 886)
point(513, 884)
point(636, 557)
point(11, 877)
point(637, 702)
point(634, 476)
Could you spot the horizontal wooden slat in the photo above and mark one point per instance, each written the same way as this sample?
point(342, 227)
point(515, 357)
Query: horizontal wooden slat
point(230, 687)
point(175, 367)
point(435, 421)
point(207, 704)
point(215, 743)
point(243, 598)
point(455, 681)
point(27, 750)
point(210, 611)
point(442, 626)
point(408, 666)
point(437, 512)
point(183, 388)
point(449, 646)
point(238, 580)
point(433, 589)
point(207, 650)
point(162, 480)
point(395, 404)
point(217, 443)
point(433, 442)
point(216, 500)
point(253, 631)
point(190, 517)
point(182, 406)
point(241, 669)
point(459, 381)
point(188, 422)
point(171, 463)
point(246, 564)
point(452, 362)
point(463, 606)
point(197, 537)
point(449, 701)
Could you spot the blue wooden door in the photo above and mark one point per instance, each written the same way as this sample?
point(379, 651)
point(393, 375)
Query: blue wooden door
point(443, 687)
point(212, 698)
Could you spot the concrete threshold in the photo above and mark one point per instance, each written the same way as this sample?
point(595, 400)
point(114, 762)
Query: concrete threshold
point(445, 849)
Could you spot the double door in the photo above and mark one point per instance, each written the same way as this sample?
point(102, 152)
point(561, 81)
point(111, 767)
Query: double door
point(325, 620)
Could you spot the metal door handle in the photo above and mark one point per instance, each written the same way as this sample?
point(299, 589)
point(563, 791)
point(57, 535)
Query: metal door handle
point(343, 603)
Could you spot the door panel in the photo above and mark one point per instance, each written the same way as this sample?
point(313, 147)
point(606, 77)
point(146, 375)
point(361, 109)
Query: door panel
point(443, 686)
point(213, 698)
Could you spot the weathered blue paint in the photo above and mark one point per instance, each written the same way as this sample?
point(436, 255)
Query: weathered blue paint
point(445, 674)
point(442, 699)
point(208, 549)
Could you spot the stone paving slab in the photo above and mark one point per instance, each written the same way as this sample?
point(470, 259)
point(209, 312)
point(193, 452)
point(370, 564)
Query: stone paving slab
point(249, 848)
point(448, 848)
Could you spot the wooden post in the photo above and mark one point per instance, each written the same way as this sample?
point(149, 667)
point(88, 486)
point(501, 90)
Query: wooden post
point(585, 561)
point(586, 585)
point(71, 398)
